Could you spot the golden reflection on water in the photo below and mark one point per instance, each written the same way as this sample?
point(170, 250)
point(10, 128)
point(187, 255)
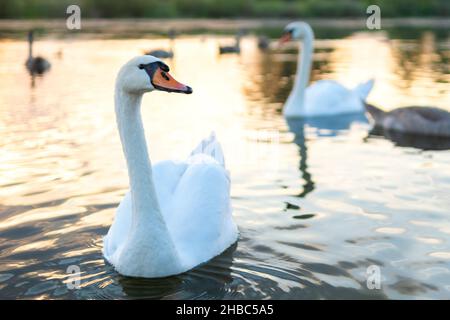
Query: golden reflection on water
point(315, 206)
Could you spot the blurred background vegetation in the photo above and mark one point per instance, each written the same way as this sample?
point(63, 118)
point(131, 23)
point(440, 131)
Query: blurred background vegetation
point(28, 9)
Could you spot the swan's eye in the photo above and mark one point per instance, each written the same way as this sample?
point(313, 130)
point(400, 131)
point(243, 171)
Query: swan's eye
point(164, 75)
point(164, 67)
point(141, 66)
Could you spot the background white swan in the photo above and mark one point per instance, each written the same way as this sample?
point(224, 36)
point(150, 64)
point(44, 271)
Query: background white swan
point(324, 97)
point(177, 215)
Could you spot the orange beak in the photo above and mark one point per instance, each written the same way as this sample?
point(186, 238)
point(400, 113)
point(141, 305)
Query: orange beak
point(163, 81)
point(286, 37)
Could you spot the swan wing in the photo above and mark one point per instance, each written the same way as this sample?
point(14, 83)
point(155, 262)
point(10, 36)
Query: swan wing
point(328, 97)
point(209, 147)
point(363, 89)
point(201, 217)
point(194, 197)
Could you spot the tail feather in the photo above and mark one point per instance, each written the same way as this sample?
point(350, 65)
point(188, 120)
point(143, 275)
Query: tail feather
point(363, 89)
point(211, 147)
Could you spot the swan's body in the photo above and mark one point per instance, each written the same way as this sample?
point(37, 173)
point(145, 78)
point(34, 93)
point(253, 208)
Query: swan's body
point(177, 215)
point(236, 48)
point(263, 43)
point(162, 53)
point(427, 121)
point(34, 65)
point(324, 97)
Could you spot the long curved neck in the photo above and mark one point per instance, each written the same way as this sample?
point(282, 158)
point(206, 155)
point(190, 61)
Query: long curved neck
point(304, 66)
point(30, 48)
point(149, 249)
point(145, 206)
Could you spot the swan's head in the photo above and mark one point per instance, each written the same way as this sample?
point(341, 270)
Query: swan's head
point(147, 73)
point(296, 31)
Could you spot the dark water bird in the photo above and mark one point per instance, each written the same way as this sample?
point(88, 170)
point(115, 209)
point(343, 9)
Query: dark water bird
point(424, 121)
point(236, 48)
point(35, 65)
point(162, 53)
point(412, 140)
point(263, 42)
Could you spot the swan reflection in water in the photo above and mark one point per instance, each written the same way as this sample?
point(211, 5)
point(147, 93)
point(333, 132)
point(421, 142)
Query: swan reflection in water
point(210, 279)
point(326, 126)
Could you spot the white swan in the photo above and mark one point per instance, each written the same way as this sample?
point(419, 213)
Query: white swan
point(177, 215)
point(324, 97)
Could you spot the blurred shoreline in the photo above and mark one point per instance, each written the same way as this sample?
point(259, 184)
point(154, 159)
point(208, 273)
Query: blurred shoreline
point(10, 27)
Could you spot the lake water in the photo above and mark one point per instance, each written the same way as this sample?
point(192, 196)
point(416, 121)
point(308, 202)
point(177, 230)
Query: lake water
point(318, 204)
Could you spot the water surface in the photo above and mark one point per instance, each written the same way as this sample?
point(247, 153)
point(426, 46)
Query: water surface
point(316, 202)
